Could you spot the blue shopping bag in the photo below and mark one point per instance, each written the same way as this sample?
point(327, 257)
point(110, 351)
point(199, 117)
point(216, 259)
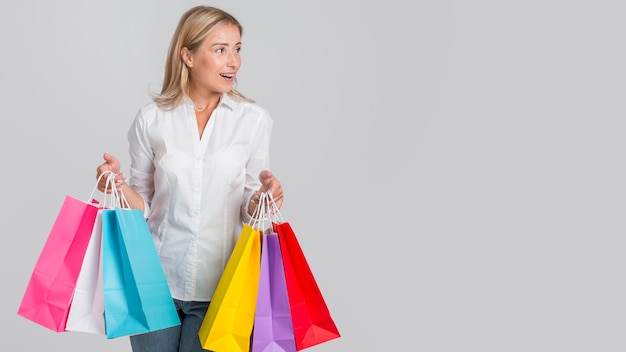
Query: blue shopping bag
point(137, 298)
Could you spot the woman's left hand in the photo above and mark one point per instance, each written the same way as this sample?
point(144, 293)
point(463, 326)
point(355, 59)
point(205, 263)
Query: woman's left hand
point(270, 183)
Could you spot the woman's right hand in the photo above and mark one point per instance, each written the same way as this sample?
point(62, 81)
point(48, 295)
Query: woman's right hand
point(110, 164)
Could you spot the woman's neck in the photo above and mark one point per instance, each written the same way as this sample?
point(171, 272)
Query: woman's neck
point(207, 102)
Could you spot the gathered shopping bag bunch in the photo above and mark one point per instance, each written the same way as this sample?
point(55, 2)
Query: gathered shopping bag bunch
point(282, 308)
point(99, 272)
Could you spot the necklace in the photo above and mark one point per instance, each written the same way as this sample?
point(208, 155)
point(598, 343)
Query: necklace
point(199, 108)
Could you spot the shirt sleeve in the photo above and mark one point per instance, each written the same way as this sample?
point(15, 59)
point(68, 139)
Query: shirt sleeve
point(259, 159)
point(141, 160)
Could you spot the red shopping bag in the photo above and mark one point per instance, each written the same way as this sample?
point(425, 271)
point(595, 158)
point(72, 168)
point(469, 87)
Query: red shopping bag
point(312, 322)
point(50, 290)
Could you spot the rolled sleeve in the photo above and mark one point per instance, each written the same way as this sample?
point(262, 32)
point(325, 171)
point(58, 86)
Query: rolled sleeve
point(259, 159)
point(141, 157)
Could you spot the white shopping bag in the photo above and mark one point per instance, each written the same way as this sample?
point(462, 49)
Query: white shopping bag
point(86, 313)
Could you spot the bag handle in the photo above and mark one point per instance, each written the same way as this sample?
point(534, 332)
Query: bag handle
point(260, 217)
point(110, 184)
point(123, 203)
point(273, 210)
point(258, 213)
point(116, 196)
point(113, 195)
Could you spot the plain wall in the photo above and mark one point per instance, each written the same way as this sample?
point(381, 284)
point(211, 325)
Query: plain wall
point(454, 170)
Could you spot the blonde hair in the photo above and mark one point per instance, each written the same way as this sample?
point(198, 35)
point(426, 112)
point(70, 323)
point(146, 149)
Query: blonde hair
point(193, 26)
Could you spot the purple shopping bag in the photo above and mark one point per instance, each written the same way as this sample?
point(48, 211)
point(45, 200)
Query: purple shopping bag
point(273, 327)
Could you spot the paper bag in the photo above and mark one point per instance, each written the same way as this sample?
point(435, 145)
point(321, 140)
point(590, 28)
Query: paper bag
point(311, 318)
point(86, 312)
point(137, 298)
point(51, 286)
point(228, 322)
point(273, 328)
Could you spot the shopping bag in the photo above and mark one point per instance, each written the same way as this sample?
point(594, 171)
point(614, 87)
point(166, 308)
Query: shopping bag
point(312, 322)
point(137, 298)
point(86, 312)
point(273, 328)
point(228, 322)
point(52, 283)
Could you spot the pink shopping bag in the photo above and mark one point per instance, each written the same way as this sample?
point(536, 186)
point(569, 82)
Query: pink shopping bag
point(49, 292)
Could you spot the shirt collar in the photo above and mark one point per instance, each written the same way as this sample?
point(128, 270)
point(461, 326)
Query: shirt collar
point(225, 100)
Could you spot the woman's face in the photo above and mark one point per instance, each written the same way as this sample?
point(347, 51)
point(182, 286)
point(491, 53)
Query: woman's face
point(214, 65)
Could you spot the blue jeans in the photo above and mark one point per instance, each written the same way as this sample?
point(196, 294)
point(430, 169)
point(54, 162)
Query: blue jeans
point(182, 338)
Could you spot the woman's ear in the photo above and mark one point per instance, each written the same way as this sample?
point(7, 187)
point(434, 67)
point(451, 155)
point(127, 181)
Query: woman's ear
point(185, 55)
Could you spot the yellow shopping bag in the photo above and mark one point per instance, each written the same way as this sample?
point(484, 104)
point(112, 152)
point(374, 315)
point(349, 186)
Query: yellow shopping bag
point(228, 322)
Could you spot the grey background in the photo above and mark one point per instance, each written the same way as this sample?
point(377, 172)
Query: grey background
point(454, 170)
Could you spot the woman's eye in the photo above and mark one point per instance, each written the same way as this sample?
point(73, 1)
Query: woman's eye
point(237, 50)
point(220, 50)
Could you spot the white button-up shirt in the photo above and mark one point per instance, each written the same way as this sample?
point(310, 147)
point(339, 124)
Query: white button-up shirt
point(196, 189)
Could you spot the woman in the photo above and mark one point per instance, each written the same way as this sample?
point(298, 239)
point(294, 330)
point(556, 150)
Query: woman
point(199, 160)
